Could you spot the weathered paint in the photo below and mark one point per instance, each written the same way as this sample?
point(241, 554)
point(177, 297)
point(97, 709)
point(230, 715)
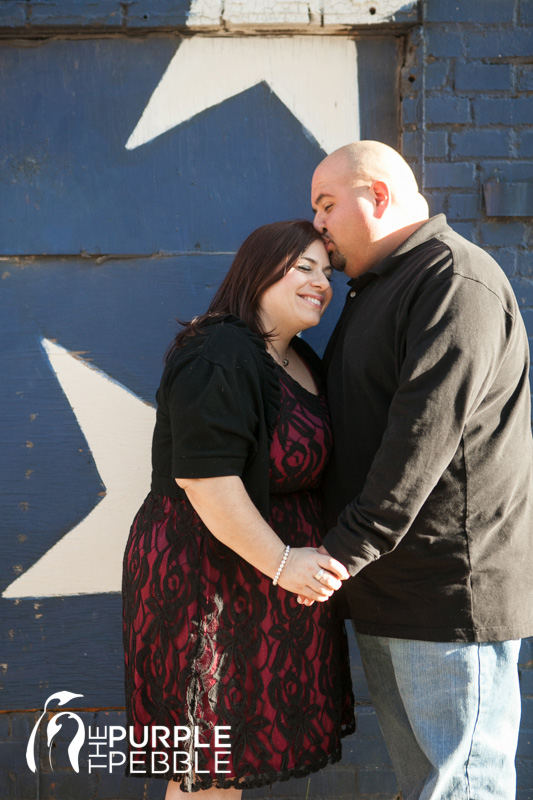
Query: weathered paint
point(314, 16)
point(77, 412)
point(77, 403)
point(118, 427)
point(298, 13)
point(366, 12)
point(68, 108)
point(71, 186)
point(315, 77)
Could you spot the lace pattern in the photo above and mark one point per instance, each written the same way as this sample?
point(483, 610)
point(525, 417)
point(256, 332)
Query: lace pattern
point(209, 641)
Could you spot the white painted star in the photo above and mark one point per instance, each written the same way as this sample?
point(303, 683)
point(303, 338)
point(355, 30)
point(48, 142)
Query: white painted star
point(118, 428)
point(315, 77)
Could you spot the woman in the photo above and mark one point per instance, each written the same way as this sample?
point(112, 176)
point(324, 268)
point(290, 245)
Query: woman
point(217, 646)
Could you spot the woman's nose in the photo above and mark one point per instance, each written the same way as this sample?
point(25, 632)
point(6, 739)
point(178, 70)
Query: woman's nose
point(320, 280)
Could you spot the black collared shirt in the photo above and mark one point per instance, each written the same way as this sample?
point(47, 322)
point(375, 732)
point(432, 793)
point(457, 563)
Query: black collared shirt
point(430, 488)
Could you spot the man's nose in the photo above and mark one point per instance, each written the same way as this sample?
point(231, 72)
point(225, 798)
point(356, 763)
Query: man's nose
point(318, 223)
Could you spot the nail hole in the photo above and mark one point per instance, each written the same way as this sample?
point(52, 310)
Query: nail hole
point(411, 78)
point(372, 10)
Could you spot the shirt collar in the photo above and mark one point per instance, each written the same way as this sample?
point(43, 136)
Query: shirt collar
point(429, 230)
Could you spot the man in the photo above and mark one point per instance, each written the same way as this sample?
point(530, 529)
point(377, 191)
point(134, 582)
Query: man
point(430, 488)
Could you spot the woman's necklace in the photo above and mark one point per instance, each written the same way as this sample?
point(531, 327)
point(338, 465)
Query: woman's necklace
point(283, 361)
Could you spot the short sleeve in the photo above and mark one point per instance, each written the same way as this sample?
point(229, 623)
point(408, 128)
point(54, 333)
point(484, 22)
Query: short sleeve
point(213, 417)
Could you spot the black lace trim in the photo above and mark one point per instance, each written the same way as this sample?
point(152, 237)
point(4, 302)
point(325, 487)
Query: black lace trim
point(254, 781)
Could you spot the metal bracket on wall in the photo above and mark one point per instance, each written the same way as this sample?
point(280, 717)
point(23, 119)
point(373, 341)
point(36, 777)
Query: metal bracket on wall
point(509, 199)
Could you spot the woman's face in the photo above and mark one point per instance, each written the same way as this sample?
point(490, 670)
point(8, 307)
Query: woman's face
point(299, 299)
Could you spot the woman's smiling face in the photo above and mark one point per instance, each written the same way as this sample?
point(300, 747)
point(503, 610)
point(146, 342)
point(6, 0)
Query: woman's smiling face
point(298, 300)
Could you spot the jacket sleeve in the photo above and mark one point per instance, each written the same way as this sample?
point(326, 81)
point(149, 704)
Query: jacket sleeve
point(213, 416)
point(453, 345)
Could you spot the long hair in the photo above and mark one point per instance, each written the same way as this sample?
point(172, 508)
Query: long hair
point(262, 260)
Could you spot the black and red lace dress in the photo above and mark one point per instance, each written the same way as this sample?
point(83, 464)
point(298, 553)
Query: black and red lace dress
point(210, 642)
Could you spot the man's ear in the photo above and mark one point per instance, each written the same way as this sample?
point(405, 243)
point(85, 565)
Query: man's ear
point(382, 197)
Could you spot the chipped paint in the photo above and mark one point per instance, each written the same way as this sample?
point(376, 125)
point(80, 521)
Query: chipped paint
point(314, 14)
point(118, 427)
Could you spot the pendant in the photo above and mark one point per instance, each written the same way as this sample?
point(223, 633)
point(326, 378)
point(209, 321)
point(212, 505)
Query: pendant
point(285, 362)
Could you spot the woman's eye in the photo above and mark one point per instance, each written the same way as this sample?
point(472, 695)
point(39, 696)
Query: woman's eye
point(327, 208)
point(304, 267)
point(329, 276)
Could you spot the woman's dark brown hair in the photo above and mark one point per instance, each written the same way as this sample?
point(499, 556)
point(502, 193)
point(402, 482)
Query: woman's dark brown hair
point(262, 260)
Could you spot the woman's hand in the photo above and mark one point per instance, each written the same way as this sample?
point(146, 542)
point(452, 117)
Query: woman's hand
point(312, 575)
point(227, 511)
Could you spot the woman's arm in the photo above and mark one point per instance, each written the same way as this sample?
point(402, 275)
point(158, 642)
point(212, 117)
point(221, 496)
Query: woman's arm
point(225, 508)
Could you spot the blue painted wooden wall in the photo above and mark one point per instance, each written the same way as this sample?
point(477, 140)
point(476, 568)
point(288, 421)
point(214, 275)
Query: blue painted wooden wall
point(169, 214)
point(102, 248)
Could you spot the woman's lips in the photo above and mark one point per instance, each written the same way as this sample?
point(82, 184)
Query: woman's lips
point(312, 300)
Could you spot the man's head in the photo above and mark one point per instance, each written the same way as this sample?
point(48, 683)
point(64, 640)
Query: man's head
point(366, 203)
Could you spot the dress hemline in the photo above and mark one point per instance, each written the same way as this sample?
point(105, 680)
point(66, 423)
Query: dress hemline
point(252, 781)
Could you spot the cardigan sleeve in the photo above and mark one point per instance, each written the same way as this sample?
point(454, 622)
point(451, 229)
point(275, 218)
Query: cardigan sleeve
point(213, 411)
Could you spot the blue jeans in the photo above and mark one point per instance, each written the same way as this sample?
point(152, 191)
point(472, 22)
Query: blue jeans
point(450, 715)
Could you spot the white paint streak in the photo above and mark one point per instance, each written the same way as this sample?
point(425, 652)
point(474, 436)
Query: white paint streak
point(118, 428)
point(357, 12)
point(205, 12)
point(315, 77)
point(212, 13)
point(259, 12)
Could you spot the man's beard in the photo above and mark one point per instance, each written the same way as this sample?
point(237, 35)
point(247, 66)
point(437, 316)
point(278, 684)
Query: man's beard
point(337, 260)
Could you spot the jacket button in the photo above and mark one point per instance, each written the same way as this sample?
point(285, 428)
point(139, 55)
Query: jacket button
point(353, 293)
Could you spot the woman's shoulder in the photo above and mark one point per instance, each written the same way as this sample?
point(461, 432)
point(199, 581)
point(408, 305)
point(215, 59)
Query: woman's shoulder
point(225, 341)
point(227, 350)
point(229, 340)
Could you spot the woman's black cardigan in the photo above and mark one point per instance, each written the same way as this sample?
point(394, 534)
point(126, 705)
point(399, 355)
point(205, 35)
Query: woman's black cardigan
point(217, 407)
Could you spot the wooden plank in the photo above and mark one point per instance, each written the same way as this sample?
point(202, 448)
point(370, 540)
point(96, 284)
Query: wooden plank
point(12, 14)
point(54, 644)
point(197, 190)
point(119, 316)
point(208, 71)
point(76, 13)
point(299, 15)
point(368, 12)
point(379, 61)
point(69, 108)
point(207, 15)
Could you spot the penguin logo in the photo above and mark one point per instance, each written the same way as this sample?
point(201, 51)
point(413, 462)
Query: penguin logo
point(53, 728)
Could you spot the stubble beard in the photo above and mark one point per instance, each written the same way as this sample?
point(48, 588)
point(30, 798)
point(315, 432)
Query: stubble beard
point(337, 260)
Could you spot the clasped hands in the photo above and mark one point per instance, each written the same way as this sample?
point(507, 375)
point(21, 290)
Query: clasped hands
point(312, 574)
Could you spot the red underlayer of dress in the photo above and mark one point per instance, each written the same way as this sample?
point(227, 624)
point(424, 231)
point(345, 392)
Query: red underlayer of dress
point(209, 641)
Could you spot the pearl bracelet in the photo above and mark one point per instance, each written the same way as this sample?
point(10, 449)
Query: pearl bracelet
point(280, 568)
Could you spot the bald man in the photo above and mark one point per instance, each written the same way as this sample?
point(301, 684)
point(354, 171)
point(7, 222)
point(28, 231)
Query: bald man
point(430, 488)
